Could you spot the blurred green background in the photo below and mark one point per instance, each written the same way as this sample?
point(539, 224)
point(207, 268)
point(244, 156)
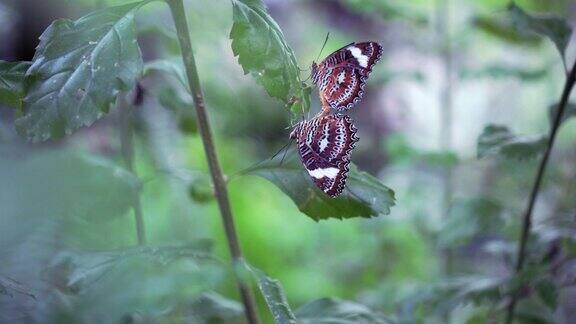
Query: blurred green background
point(449, 69)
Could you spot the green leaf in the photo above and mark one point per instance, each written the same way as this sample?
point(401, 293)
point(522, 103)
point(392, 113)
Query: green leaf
point(336, 311)
point(78, 70)
point(569, 112)
point(214, 308)
point(548, 292)
point(274, 296)
point(109, 286)
point(504, 30)
point(12, 82)
point(264, 53)
point(364, 195)
point(82, 269)
point(556, 29)
point(499, 140)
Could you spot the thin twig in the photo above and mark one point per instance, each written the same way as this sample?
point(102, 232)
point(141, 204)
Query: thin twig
point(179, 16)
point(527, 221)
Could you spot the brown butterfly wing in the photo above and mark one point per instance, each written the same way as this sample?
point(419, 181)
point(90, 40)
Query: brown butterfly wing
point(342, 75)
point(324, 145)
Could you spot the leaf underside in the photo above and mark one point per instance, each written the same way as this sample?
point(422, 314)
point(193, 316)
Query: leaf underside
point(364, 195)
point(263, 52)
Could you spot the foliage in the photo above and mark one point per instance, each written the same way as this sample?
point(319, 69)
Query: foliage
point(78, 70)
point(364, 195)
point(263, 52)
point(332, 310)
point(274, 296)
point(569, 112)
point(89, 189)
point(12, 76)
point(447, 251)
point(135, 279)
point(556, 29)
point(497, 139)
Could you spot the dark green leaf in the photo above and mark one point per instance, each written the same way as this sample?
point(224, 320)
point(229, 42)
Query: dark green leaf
point(210, 307)
point(149, 282)
point(364, 195)
point(499, 140)
point(78, 70)
point(548, 292)
point(504, 30)
point(274, 296)
point(82, 269)
point(12, 82)
point(335, 311)
point(263, 52)
point(531, 311)
point(569, 112)
point(556, 29)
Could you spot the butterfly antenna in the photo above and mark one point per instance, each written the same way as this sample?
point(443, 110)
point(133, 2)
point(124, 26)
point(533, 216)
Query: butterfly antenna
point(282, 149)
point(325, 41)
point(285, 152)
point(257, 164)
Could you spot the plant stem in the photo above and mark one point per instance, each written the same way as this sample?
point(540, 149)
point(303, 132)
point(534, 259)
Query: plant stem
point(527, 221)
point(127, 147)
point(179, 16)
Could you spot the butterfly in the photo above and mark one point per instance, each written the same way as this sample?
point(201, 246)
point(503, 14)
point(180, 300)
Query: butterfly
point(342, 75)
point(325, 143)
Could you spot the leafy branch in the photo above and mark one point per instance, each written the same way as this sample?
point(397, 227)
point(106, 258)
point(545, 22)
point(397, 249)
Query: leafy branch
point(527, 220)
point(179, 17)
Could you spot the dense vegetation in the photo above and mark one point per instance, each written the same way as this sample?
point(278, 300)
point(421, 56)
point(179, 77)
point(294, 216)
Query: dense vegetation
point(139, 181)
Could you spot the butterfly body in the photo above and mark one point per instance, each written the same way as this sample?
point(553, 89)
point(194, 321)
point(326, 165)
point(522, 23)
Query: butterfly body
point(341, 77)
point(324, 145)
point(325, 142)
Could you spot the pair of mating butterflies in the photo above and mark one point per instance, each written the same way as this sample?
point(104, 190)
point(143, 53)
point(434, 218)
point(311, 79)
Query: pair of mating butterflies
point(325, 142)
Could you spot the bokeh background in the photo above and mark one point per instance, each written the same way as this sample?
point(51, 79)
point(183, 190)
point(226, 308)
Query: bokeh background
point(449, 69)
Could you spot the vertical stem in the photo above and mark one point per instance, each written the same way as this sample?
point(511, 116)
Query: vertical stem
point(443, 34)
point(127, 147)
point(527, 221)
point(179, 16)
